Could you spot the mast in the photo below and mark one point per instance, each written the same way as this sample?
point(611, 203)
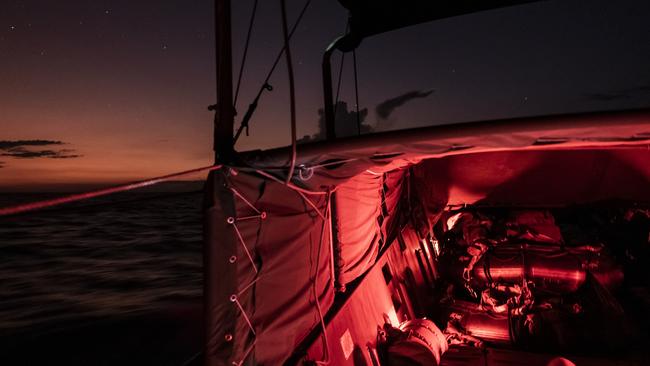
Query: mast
point(223, 154)
point(224, 117)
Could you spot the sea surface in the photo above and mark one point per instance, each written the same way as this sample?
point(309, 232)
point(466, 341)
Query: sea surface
point(109, 257)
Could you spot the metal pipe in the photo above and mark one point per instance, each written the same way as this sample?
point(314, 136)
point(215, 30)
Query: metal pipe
point(344, 43)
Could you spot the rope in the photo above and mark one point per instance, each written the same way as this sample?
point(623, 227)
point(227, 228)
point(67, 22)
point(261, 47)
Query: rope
point(292, 88)
point(236, 192)
point(243, 61)
point(290, 185)
point(97, 206)
point(231, 221)
point(336, 162)
point(246, 354)
point(265, 84)
point(242, 291)
point(234, 298)
point(310, 203)
point(39, 205)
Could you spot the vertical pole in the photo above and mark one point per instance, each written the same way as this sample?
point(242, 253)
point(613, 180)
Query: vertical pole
point(219, 326)
point(224, 117)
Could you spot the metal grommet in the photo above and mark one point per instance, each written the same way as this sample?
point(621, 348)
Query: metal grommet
point(233, 298)
point(228, 337)
point(232, 259)
point(263, 215)
point(230, 220)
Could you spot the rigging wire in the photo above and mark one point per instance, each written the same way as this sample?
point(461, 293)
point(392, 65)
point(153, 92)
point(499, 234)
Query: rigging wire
point(243, 61)
point(292, 89)
point(356, 89)
point(265, 85)
point(338, 84)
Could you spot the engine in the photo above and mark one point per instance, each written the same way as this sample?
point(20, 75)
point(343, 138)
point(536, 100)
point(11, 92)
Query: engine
point(510, 278)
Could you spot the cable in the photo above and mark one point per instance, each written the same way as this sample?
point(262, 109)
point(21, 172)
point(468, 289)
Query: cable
point(293, 29)
point(265, 84)
point(243, 60)
point(292, 89)
point(356, 90)
point(338, 85)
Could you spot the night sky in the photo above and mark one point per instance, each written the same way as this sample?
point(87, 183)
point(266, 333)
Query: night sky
point(98, 92)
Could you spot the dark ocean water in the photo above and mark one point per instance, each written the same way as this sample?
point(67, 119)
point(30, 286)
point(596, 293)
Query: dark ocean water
point(110, 257)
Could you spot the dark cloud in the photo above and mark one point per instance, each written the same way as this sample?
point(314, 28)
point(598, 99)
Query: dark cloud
point(385, 108)
point(626, 93)
point(30, 149)
point(9, 144)
point(346, 123)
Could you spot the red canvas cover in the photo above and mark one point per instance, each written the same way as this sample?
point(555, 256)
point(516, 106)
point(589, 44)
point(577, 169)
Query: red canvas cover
point(538, 161)
point(279, 300)
point(357, 209)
